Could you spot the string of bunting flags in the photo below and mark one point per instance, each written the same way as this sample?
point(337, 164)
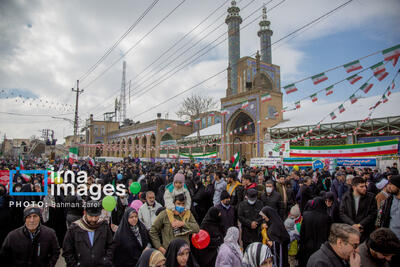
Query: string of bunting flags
point(390, 54)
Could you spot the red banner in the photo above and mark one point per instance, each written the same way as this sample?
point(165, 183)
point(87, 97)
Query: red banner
point(4, 177)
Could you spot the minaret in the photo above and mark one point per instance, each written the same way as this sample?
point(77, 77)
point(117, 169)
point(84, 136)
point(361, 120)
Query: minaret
point(233, 20)
point(229, 88)
point(265, 34)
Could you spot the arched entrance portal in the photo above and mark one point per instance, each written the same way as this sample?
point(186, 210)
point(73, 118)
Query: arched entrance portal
point(243, 129)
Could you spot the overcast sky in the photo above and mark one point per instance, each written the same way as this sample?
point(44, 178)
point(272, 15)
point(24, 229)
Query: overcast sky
point(45, 46)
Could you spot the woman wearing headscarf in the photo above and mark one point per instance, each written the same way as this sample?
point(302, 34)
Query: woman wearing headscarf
point(178, 254)
point(258, 255)
point(151, 258)
point(229, 254)
point(314, 229)
point(277, 236)
point(130, 239)
point(212, 224)
point(332, 207)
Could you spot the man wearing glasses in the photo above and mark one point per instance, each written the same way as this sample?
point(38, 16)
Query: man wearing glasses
point(341, 249)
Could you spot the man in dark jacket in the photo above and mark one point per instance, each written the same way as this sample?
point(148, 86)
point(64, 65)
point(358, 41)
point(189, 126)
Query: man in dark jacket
point(272, 199)
point(88, 240)
point(228, 213)
point(339, 250)
point(306, 193)
point(389, 214)
point(250, 218)
point(31, 245)
point(358, 208)
point(235, 190)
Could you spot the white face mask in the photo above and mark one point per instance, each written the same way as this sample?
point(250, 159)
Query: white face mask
point(268, 190)
point(251, 202)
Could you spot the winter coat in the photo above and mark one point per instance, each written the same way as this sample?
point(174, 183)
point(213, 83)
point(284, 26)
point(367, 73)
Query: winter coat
point(147, 214)
point(236, 191)
point(19, 250)
point(171, 192)
point(202, 201)
point(383, 219)
point(314, 230)
point(219, 186)
point(163, 227)
point(365, 216)
point(227, 257)
point(326, 257)
point(248, 213)
point(274, 200)
point(78, 251)
point(306, 194)
point(228, 216)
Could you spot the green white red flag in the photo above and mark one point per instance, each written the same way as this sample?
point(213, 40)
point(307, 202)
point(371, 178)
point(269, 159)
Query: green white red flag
point(290, 88)
point(353, 99)
point(392, 54)
point(378, 68)
point(353, 79)
point(187, 123)
point(236, 159)
point(314, 97)
point(319, 78)
point(297, 104)
point(224, 111)
point(266, 97)
point(333, 116)
point(381, 76)
point(245, 104)
point(352, 66)
point(329, 90)
point(341, 109)
point(73, 155)
point(366, 87)
point(21, 163)
point(384, 99)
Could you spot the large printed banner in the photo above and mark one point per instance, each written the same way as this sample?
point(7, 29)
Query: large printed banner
point(367, 162)
point(301, 162)
point(211, 155)
point(258, 162)
point(339, 151)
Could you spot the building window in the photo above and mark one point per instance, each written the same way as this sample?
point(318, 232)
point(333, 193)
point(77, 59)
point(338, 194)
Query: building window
point(96, 131)
point(209, 121)
point(203, 122)
point(103, 131)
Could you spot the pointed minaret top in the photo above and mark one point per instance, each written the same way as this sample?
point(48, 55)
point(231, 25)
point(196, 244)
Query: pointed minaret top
point(264, 15)
point(264, 23)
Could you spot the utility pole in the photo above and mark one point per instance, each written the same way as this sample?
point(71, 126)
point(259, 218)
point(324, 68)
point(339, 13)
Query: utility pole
point(76, 109)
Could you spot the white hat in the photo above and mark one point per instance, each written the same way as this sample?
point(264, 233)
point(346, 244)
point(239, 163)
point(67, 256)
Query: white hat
point(382, 184)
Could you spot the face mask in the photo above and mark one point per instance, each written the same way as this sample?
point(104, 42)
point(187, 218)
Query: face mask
point(268, 190)
point(225, 206)
point(251, 202)
point(18, 189)
point(179, 209)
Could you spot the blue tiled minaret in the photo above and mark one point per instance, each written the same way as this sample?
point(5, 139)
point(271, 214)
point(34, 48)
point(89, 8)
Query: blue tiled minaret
point(265, 34)
point(233, 20)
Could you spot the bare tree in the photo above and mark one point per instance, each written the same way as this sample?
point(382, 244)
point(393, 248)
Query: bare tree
point(195, 104)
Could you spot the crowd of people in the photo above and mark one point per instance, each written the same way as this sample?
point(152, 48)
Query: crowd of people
point(266, 216)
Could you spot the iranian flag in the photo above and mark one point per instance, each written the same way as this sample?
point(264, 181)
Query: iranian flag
point(187, 123)
point(341, 109)
point(329, 90)
point(290, 88)
point(366, 87)
point(392, 53)
point(384, 99)
point(73, 155)
point(358, 150)
point(91, 161)
point(319, 78)
point(212, 114)
point(393, 85)
point(301, 162)
point(353, 99)
point(333, 116)
point(169, 128)
point(235, 160)
point(197, 120)
point(353, 79)
point(297, 104)
point(352, 66)
point(21, 163)
point(378, 68)
point(224, 111)
point(381, 76)
point(276, 113)
point(266, 97)
point(314, 97)
point(245, 104)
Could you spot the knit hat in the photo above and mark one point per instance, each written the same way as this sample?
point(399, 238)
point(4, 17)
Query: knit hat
point(32, 210)
point(179, 177)
point(252, 194)
point(382, 184)
point(224, 195)
point(395, 180)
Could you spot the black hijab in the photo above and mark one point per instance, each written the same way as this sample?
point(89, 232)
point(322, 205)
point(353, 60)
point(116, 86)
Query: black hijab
point(276, 229)
point(172, 253)
point(212, 216)
point(126, 235)
point(144, 259)
point(318, 204)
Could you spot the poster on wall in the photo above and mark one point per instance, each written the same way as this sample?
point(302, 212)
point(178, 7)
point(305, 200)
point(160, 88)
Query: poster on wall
point(258, 162)
point(366, 162)
point(276, 149)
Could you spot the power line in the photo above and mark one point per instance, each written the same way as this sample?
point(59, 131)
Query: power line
point(137, 43)
point(34, 115)
point(91, 69)
point(188, 63)
point(218, 73)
